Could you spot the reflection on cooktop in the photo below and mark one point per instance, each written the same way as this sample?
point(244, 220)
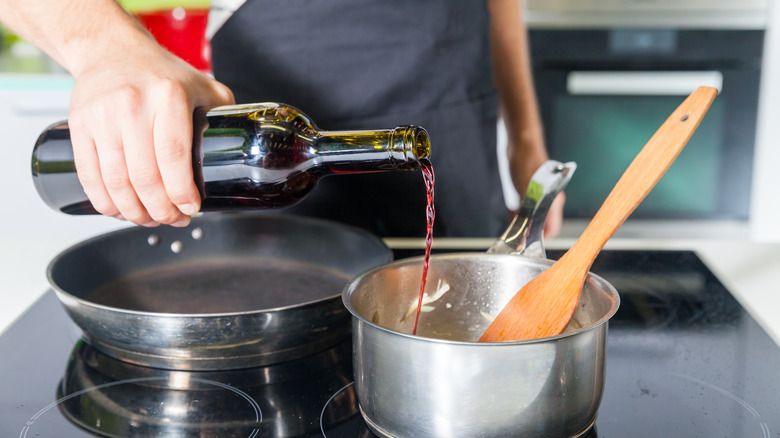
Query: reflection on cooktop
point(115, 398)
point(356, 426)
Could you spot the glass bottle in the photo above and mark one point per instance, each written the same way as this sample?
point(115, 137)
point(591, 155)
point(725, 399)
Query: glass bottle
point(254, 156)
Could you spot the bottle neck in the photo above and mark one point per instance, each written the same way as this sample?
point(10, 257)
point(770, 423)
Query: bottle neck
point(358, 151)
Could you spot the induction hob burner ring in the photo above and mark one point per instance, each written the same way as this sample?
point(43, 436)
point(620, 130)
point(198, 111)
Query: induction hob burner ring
point(327, 403)
point(730, 395)
point(60, 402)
point(340, 417)
point(357, 426)
point(678, 404)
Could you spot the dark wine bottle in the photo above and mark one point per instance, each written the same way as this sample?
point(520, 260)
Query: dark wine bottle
point(254, 156)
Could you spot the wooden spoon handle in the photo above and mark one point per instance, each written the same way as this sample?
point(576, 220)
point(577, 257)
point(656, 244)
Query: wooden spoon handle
point(545, 305)
point(644, 172)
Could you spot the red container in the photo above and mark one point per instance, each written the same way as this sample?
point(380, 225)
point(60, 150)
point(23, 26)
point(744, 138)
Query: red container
point(181, 31)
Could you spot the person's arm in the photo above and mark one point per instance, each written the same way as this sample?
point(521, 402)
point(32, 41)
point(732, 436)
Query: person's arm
point(131, 108)
point(512, 68)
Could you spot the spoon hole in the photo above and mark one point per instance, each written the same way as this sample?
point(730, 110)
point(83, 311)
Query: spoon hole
point(684, 117)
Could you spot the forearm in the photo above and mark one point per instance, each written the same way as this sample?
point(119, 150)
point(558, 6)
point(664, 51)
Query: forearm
point(75, 33)
point(513, 77)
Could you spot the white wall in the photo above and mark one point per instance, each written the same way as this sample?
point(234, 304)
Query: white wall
point(765, 204)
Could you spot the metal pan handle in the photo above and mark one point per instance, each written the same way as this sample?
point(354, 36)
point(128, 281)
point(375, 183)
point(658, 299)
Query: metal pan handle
point(526, 232)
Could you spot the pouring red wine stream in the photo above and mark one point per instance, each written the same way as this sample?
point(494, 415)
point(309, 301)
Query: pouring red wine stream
point(430, 212)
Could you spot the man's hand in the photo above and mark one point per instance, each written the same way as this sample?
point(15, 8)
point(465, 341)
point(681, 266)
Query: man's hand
point(554, 221)
point(131, 110)
point(131, 128)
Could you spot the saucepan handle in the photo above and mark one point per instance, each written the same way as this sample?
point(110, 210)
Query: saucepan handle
point(526, 232)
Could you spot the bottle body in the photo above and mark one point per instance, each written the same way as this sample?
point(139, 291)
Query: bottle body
point(256, 156)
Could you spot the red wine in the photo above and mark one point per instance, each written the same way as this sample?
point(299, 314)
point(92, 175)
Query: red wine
point(430, 212)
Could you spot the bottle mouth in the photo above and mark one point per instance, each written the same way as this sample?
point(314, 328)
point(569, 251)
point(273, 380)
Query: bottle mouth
point(410, 146)
point(414, 141)
point(422, 144)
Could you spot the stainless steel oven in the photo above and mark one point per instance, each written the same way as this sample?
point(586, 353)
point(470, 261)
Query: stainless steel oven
point(604, 88)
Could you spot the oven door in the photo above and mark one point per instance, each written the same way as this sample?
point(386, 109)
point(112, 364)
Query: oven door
point(603, 93)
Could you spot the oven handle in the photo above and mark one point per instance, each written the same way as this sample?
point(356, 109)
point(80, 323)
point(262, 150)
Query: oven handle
point(641, 83)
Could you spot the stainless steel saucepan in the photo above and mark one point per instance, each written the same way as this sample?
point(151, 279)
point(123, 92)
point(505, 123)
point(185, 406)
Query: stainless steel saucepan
point(442, 382)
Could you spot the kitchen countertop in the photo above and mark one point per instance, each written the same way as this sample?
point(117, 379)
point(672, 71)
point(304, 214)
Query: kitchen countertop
point(750, 270)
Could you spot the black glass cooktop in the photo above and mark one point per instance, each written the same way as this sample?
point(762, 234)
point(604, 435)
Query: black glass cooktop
point(684, 360)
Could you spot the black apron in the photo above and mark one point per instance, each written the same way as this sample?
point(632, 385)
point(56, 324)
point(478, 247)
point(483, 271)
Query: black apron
point(377, 64)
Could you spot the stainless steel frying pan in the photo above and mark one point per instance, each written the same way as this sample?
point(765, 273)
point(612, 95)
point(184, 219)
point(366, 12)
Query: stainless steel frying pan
point(229, 291)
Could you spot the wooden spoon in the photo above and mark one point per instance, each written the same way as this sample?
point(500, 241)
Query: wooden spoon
point(544, 306)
